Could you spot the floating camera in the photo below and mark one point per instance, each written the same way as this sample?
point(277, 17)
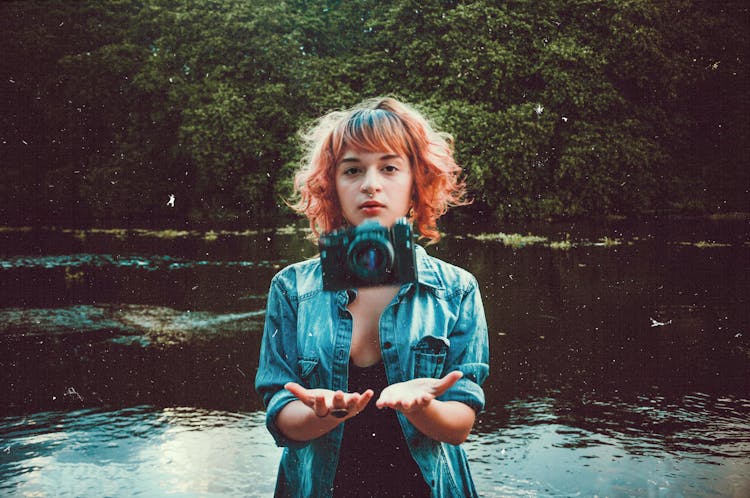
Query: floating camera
point(368, 255)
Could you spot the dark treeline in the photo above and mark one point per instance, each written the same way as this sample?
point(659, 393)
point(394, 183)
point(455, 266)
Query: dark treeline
point(559, 108)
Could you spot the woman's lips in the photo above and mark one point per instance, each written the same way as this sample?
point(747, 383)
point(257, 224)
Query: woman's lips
point(371, 207)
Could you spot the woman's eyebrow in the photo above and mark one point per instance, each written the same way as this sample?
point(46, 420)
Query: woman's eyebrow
point(355, 159)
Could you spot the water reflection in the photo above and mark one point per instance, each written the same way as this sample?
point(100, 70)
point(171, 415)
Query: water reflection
point(137, 451)
point(194, 452)
point(695, 446)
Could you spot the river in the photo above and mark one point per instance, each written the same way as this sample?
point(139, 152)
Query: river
point(620, 359)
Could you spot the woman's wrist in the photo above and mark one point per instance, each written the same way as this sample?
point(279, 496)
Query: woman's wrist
point(300, 422)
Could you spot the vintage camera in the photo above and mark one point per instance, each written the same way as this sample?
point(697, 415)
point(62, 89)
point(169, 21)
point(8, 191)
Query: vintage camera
point(367, 255)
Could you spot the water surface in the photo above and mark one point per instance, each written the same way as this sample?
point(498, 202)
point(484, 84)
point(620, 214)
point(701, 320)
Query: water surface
point(620, 360)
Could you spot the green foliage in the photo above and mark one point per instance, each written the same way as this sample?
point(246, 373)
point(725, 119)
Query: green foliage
point(558, 108)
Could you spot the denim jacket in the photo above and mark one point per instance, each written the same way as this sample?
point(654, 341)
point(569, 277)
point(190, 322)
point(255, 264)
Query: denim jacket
point(428, 330)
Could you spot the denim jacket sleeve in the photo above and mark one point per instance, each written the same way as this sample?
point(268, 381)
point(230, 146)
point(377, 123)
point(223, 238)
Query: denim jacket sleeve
point(469, 349)
point(278, 353)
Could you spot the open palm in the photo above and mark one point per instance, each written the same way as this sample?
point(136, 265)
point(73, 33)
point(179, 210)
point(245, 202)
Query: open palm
point(324, 401)
point(415, 394)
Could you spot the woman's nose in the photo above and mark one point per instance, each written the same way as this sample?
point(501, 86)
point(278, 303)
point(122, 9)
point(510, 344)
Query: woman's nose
point(371, 182)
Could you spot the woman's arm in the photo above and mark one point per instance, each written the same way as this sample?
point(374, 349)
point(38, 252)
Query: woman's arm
point(445, 421)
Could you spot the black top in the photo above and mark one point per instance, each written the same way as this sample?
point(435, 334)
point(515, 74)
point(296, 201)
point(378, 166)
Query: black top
point(374, 460)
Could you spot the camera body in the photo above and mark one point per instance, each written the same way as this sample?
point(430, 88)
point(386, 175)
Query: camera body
point(368, 255)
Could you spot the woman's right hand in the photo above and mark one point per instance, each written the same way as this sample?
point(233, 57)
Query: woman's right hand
point(326, 403)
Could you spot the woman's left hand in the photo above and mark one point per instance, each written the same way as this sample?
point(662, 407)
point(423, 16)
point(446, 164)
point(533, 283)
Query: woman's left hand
point(415, 394)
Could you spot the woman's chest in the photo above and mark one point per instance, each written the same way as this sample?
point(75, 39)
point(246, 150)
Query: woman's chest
point(366, 311)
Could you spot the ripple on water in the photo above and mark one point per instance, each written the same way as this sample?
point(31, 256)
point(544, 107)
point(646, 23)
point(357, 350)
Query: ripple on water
point(150, 262)
point(697, 445)
point(126, 323)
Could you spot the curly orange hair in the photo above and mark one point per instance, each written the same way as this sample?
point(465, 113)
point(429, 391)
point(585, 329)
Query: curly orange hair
point(378, 125)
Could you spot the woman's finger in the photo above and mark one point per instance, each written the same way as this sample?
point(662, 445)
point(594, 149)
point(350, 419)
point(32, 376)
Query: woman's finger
point(319, 406)
point(299, 391)
point(364, 400)
point(447, 382)
point(339, 403)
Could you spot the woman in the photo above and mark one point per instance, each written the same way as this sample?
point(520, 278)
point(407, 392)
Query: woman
point(371, 390)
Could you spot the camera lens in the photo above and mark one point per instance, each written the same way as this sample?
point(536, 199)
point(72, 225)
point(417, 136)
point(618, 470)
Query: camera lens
point(370, 257)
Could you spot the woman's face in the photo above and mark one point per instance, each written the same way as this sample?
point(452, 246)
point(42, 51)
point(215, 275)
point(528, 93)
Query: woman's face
point(373, 185)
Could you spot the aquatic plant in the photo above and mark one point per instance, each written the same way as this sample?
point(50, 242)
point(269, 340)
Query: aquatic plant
point(166, 234)
point(514, 240)
point(706, 244)
point(562, 245)
point(72, 277)
point(608, 242)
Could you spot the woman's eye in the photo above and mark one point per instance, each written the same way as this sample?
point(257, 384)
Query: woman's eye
point(351, 171)
point(391, 168)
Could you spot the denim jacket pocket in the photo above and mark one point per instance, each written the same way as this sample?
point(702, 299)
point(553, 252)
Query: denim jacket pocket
point(429, 356)
point(308, 372)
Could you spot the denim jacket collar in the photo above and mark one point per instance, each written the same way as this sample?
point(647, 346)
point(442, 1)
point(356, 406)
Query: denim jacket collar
point(427, 274)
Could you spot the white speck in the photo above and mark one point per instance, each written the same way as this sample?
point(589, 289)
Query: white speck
point(71, 391)
point(170, 202)
point(268, 239)
point(655, 323)
point(738, 335)
point(539, 109)
point(24, 142)
point(564, 119)
point(275, 332)
point(12, 80)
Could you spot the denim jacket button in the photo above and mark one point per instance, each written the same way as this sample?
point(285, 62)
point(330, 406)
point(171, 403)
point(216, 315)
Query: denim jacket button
point(387, 345)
